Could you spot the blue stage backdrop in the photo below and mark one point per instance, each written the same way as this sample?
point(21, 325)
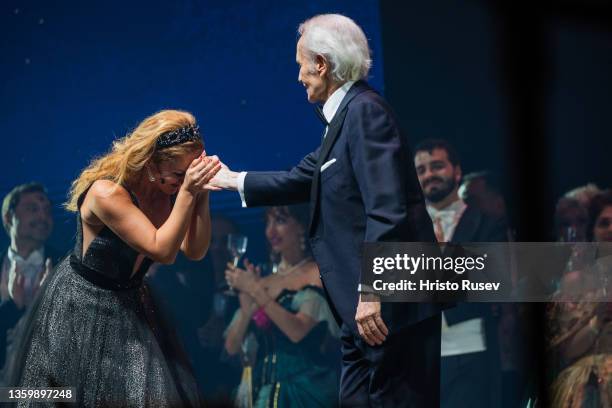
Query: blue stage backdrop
point(75, 75)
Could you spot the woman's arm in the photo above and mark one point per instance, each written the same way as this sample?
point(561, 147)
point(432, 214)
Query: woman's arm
point(197, 240)
point(239, 326)
point(294, 325)
point(113, 206)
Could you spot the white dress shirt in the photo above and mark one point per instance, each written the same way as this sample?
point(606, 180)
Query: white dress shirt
point(463, 337)
point(29, 267)
point(329, 111)
point(448, 217)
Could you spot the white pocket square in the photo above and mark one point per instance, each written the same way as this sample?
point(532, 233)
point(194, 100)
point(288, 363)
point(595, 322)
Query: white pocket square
point(327, 164)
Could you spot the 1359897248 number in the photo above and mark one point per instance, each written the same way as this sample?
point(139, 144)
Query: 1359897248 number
point(48, 394)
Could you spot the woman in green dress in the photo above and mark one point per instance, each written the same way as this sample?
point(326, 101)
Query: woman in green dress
point(284, 330)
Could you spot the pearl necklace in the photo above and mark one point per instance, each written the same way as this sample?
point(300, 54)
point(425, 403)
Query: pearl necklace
point(293, 267)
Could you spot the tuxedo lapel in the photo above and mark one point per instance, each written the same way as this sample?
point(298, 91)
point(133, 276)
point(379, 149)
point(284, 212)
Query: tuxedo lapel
point(333, 131)
point(467, 227)
point(332, 135)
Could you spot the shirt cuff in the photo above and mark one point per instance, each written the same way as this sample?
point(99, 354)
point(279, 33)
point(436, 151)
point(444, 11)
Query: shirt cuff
point(365, 289)
point(240, 182)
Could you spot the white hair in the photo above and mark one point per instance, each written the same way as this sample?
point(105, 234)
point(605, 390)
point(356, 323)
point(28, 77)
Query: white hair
point(341, 42)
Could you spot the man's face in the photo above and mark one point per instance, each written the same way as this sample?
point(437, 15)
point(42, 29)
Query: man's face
point(32, 219)
point(438, 177)
point(312, 75)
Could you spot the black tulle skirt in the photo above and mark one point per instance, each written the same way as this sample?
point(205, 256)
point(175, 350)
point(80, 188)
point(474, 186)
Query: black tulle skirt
point(111, 345)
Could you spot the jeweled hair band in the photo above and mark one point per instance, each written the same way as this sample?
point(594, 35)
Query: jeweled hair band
point(182, 135)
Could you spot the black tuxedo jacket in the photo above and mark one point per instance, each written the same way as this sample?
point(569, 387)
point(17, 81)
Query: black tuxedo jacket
point(362, 187)
point(475, 226)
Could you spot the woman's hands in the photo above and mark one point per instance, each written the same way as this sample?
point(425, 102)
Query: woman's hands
point(244, 280)
point(200, 172)
point(240, 279)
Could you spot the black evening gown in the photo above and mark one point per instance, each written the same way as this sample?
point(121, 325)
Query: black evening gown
point(94, 327)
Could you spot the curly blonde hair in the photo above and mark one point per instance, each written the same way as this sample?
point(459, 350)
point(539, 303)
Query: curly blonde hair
point(129, 155)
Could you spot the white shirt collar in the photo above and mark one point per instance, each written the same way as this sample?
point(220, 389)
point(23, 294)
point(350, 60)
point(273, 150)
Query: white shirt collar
point(333, 102)
point(455, 207)
point(448, 217)
point(36, 257)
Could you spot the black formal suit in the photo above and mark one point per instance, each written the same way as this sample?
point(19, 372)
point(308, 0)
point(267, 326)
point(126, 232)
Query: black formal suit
point(362, 187)
point(474, 379)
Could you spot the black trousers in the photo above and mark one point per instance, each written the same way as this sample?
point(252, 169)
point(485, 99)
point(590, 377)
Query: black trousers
point(467, 381)
point(402, 372)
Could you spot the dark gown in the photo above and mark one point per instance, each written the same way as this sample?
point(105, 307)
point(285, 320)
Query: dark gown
point(295, 375)
point(94, 327)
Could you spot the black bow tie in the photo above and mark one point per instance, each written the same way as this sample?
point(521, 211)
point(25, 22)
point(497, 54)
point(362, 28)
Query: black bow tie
point(320, 114)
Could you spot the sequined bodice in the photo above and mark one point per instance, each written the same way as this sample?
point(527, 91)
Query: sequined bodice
point(108, 261)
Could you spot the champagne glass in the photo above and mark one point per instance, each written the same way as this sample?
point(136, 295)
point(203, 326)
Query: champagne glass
point(569, 234)
point(237, 245)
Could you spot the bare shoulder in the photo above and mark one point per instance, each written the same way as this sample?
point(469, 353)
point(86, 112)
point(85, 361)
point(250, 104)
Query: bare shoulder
point(311, 270)
point(107, 190)
point(312, 267)
point(102, 197)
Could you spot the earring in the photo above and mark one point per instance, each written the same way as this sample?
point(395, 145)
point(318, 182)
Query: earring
point(151, 178)
point(302, 243)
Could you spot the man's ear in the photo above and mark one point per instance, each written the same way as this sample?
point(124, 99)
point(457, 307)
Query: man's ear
point(321, 65)
point(7, 219)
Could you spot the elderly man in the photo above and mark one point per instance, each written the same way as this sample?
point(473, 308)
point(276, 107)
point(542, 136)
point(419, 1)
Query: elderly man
point(362, 187)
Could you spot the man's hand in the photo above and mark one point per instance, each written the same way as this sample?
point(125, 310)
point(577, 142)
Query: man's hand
point(369, 320)
point(17, 288)
point(200, 172)
point(225, 179)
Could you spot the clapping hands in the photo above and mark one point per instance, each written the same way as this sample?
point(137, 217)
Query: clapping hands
point(18, 284)
point(243, 280)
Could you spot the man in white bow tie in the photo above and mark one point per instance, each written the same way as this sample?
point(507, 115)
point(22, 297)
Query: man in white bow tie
point(362, 187)
point(27, 219)
point(470, 374)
